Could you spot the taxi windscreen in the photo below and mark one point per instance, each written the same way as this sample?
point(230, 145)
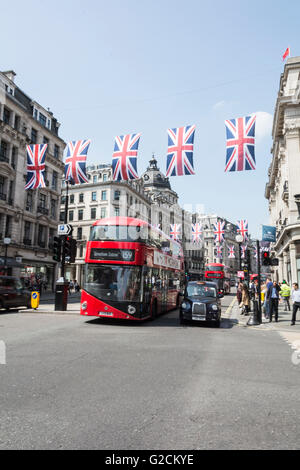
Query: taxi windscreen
point(198, 290)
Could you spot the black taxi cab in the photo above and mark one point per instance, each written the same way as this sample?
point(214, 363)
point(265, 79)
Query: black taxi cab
point(201, 303)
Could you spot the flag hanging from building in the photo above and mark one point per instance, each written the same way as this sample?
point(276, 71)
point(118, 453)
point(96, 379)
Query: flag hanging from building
point(180, 151)
point(231, 252)
point(124, 161)
point(286, 54)
point(36, 155)
point(219, 231)
point(240, 144)
point(175, 231)
point(196, 233)
point(243, 229)
point(75, 164)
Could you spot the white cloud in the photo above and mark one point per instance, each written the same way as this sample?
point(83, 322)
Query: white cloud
point(264, 123)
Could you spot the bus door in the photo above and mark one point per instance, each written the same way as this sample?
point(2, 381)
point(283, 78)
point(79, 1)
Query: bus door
point(147, 291)
point(165, 288)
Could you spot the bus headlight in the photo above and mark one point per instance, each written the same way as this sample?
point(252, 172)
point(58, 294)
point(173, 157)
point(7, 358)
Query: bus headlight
point(84, 305)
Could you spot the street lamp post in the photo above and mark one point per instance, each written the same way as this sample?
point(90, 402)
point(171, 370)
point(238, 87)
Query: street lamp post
point(239, 239)
point(7, 242)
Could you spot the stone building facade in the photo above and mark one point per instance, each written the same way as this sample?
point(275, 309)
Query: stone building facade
point(283, 187)
point(28, 219)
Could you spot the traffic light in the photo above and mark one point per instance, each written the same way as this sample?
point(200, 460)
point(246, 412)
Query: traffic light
point(73, 250)
point(70, 249)
point(57, 249)
point(266, 259)
point(67, 248)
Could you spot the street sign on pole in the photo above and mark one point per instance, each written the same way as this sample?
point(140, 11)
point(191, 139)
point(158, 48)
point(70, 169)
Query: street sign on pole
point(64, 229)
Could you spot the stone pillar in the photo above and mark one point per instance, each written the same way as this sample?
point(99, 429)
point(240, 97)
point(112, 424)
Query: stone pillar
point(280, 268)
point(285, 269)
point(293, 262)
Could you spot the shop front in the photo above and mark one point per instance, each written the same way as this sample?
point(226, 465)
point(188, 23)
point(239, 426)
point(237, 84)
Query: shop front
point(37, 275)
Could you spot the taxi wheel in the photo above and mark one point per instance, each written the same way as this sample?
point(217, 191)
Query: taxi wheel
point(182, 321)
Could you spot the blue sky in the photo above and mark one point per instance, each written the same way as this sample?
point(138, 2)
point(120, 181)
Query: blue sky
point(106, 68)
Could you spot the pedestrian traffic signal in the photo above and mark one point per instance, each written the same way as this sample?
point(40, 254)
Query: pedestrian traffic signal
point(266, 259)
point(57, 249)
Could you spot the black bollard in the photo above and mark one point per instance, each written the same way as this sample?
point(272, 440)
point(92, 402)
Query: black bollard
point(254, 318)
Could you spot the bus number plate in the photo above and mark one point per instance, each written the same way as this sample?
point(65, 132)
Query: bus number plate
point(105, 314)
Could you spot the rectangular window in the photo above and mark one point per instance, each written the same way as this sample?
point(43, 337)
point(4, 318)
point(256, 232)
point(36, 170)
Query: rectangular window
point(56, 151)
point(42, 200)
point(6, 115)
point(54, 180)
point(81, 197)
point(72, 199)
point(94, 196)
point(33, 136)
point(95, 179)
point(17, 122)
point(29, 201)
point(42, 236)
point(4, 151)
point(45, 140)
point(14, 156)
point(117, 195)
point(104, 177)
point(62, 217)
point(79, 233)
point(43, 119)
point(93, 213)
point(80, 214)
point(103, 212)
point(81, 251)
point(103, 195)
point(27, 231)
point(71, 216)
point(117, 211)
point(53, 208)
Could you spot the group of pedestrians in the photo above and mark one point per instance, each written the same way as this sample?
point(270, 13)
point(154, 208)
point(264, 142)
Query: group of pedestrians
point(273, 293)
point(73, 285)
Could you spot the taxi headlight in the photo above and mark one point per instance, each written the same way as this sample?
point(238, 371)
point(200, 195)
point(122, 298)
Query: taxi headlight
point(214, 307)
point(186, 305)
point(84, 305)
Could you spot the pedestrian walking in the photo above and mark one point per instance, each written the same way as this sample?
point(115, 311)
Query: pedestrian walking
point(245, 299)
point(285, 293)
point(71, 287)
point(296, 302)
point(273, 296)
point(269, 283)
point(239, 293)
point(76, 286)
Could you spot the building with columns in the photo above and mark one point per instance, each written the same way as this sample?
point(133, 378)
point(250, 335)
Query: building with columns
point(283, 187)
point(28, 219)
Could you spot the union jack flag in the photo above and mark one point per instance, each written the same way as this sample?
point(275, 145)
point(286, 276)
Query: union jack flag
point(196, 233)
point(243, 251)
point(180, 151)
point(175, 231)
point(231, 252)
point(219, 252)
point(36, 155)
point(219, 231)
point(240, 135)
point(243, 229)
point(75, 164)
point(124, 162)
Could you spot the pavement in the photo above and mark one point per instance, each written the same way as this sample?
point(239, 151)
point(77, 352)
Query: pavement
point(290, 334)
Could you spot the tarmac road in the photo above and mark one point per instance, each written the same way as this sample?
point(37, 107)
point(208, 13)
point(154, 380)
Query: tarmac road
point(73, 383)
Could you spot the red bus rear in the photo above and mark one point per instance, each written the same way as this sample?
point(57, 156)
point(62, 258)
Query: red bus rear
point(133, 271)
point(220, 274)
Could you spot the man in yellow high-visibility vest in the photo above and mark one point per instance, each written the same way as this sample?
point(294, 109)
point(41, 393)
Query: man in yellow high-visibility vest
point(285, 294)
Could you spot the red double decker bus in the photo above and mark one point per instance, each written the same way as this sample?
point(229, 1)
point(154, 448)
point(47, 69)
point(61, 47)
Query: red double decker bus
point(220, 274)
point(133, 271)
